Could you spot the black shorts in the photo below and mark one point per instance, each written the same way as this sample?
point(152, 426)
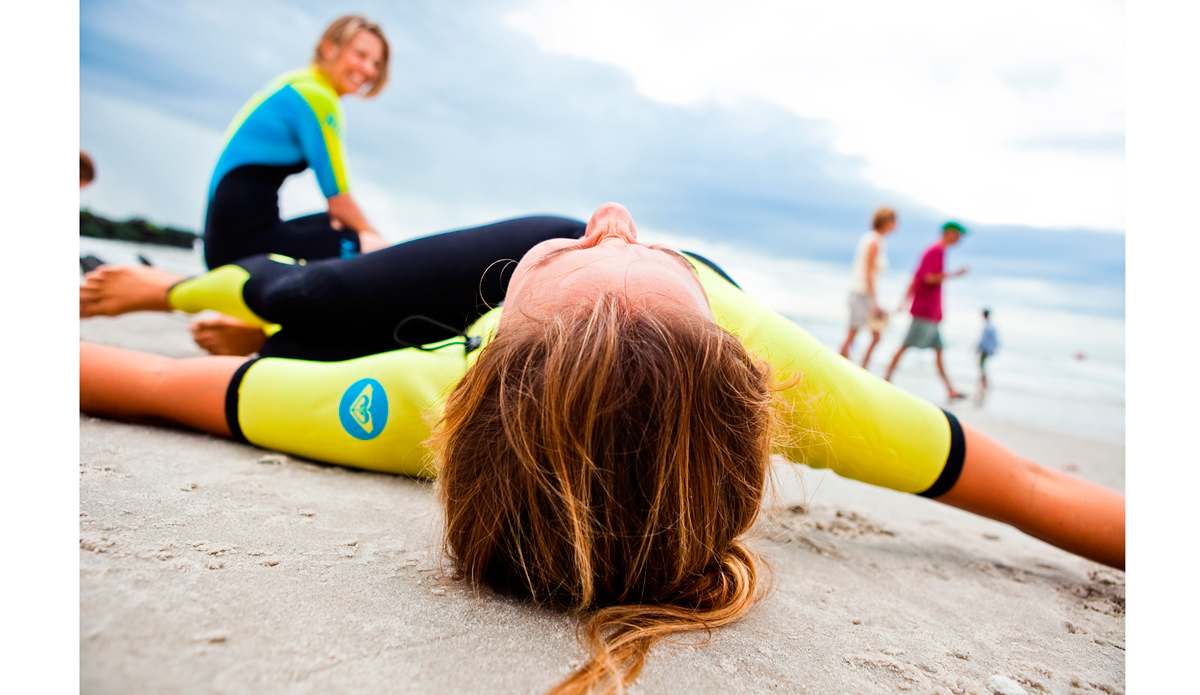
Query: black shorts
point(243, 220)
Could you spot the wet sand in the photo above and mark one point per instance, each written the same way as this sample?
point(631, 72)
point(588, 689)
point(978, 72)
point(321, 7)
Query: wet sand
point(208, 566)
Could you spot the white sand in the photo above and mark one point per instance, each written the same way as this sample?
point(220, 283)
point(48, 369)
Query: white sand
point(212, 567)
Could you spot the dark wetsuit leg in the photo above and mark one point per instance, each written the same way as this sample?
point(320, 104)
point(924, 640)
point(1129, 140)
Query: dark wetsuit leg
point(243, 220)
point(336, 310)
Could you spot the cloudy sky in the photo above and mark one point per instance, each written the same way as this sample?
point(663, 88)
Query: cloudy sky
point(780, 125)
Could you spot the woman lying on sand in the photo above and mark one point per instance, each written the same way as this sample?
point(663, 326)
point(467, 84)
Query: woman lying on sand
point(603, 441)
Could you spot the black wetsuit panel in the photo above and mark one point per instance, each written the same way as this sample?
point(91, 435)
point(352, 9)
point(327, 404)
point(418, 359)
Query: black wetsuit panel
point(243, 220)
point(341, 309)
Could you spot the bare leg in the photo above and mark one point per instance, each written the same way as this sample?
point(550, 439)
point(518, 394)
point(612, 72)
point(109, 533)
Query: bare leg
point(849, 341)
point(115, 290)
point(942, 371)
point(1068, 512)
point(982, 379)
point(895, 361)
point(136, 386)
point(870, 348)
point(225, 335)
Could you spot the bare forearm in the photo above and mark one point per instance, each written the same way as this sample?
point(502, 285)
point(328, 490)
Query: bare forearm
point(939, 278)
point(1065, 511)
point(135, 386)
point(1077, 516)
point(343, 209)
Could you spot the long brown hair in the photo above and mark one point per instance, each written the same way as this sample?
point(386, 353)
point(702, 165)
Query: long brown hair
point(611, 460)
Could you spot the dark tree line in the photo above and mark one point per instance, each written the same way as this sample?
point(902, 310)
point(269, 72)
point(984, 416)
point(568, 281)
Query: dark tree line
point(135, 230)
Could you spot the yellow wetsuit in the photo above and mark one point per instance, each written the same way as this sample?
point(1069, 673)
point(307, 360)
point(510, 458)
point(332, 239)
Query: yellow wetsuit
point(375, 412)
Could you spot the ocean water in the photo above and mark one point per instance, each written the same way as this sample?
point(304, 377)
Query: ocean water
point(169, 258)
point(1060, 366)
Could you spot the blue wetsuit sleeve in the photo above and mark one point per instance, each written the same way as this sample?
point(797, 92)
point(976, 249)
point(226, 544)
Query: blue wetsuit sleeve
point(317, 127)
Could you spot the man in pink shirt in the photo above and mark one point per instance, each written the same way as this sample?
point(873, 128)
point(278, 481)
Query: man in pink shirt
point(925, 291)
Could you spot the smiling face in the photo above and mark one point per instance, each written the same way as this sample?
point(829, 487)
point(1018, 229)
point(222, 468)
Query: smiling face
point(354, 65)
point(608, 258)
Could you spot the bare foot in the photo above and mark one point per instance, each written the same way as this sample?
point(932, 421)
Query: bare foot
point(225, 335)
point(111, 290)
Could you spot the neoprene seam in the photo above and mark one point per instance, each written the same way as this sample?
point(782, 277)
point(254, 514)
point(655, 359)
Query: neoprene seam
point(713, 266)
point(231, 401)
point(954, 460)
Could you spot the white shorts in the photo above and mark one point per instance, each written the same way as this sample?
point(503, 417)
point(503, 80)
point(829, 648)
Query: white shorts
point(860, 309)
point(860, 314)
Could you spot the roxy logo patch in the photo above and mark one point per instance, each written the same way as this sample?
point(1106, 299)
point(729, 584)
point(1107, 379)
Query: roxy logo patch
point(364, 409)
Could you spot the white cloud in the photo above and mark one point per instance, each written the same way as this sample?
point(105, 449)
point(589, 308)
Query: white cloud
point(148, 164)
point(998, 113)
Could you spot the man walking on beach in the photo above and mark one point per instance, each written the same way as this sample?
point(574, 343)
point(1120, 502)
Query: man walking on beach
point(925, 291)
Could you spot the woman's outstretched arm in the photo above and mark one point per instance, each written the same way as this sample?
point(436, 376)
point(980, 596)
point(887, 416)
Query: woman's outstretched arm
point(865, 429)
point(1065, 511)
point(137, 386)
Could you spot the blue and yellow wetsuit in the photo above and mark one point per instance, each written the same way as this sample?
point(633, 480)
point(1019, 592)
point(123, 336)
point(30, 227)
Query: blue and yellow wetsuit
point(375, 412)
point(295, 123)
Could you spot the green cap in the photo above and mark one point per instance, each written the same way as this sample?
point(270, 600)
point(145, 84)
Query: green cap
point(956, 227)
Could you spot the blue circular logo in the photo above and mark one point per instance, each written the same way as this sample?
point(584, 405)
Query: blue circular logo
point(364, 409)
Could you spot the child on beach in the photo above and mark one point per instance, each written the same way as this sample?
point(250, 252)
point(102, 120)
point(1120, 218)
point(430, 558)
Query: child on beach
point(986, 348)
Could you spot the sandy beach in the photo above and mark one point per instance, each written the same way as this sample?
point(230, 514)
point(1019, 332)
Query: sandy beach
point(208, 566)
